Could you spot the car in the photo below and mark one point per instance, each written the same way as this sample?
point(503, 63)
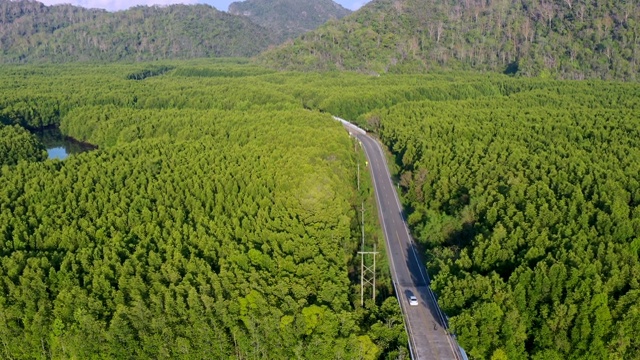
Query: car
point(413, 301)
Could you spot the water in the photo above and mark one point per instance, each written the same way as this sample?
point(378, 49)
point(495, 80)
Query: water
point(58, 153)
point(60, 146)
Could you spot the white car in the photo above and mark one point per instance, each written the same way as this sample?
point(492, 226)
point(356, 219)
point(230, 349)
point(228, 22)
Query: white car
point(413, 301)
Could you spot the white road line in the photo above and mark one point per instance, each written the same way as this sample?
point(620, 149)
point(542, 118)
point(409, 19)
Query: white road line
point(422, 271)
point(366, 143)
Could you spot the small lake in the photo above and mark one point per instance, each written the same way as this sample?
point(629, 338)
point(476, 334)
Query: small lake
point(60, 146)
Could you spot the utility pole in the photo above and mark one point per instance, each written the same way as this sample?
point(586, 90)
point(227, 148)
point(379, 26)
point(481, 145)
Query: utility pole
point(362, 227)
point(367, 274)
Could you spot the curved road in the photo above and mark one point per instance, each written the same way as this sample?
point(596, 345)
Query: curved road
point(426, 324)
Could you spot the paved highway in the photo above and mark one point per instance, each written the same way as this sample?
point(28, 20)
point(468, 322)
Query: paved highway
point(426, 324)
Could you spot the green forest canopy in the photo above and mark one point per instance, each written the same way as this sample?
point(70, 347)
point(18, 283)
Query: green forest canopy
point(524, 194)
point(528, 206)
point(288, 19)
point(568, 39)
point(34, 33)
point(215, 220)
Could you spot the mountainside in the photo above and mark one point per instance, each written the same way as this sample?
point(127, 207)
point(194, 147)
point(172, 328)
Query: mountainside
point(33, 32)
point(287, 19)
point(559, 38)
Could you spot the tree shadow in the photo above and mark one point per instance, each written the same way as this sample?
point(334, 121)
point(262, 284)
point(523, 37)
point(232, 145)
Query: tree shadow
point(421, 281)
point(512, 68)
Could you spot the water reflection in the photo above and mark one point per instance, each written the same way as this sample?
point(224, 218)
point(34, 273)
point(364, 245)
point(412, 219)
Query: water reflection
point(57, 153)
point(60, 146)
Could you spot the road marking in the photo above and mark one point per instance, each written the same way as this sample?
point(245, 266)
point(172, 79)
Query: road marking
point(426, 328)
point(391, 257)
point(420, 266)
point(399, 242)
point(372, 149)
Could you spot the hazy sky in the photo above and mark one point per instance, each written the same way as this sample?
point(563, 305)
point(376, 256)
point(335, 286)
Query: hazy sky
point(113, 5)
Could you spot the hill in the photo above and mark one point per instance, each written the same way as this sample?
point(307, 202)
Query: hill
point(33, 32)
point(557, 38)
point(287, 19)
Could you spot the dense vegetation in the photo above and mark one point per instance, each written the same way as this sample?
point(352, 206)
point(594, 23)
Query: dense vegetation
point(525, 195)
point(216, 220)
point(558, 38)
point(287, 19)
point(33, 32)
point(568, 39)
point(17, 144)
point(219, 215)
point(529, 208)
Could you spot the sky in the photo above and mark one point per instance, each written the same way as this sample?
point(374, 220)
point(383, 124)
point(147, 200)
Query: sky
point(114, 5)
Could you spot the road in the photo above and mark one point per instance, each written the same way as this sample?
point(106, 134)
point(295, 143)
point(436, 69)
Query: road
point(426, 324)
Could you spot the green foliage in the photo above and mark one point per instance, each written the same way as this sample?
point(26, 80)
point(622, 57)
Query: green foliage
point(32, 32)
point(287, 19)
point(557, 38)
point(215, 220)
point(224, 70)
point(17, 144)
point(149, 72)
point(529, 207)
point(219, 216)
point(170, 237)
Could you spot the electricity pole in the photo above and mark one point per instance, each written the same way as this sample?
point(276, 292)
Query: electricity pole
point(367, 274)
point(358, 177)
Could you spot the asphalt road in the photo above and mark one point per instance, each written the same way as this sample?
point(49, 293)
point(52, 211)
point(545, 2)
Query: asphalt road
point(426, 324)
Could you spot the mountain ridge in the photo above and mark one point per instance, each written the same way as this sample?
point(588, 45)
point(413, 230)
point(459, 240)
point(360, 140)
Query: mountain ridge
point(554, 38)
point(288, 19)
point(33, 32)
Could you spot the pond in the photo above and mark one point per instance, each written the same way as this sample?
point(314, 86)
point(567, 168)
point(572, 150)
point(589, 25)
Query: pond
point(60, 146)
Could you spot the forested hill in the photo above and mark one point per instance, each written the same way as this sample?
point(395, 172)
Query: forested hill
point(287, 19)
point(33, 32)
point(570, 39)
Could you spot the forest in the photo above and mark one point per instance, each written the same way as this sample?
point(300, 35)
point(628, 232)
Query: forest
point(528, 208)
point(525, 197)
point(565, 39)
point(551, 39)
point(288, 19)
point(219, 213)
point(215, 220)
point(31, 32)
